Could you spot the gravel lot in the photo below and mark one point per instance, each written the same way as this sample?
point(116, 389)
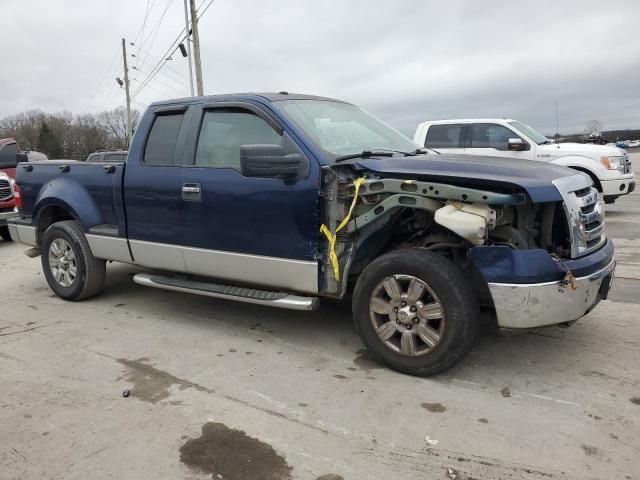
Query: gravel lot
point(234, 391)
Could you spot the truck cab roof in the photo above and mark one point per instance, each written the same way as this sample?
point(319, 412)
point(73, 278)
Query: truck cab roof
point(261, 97)
point(468, 120)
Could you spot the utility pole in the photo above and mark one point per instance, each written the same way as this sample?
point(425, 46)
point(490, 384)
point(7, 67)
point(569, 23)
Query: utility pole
point(196, 47)
point(186, 31)
point(557, 128)
point(126, 88)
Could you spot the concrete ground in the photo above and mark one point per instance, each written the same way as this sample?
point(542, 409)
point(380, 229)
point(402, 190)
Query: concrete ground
point(232, 391)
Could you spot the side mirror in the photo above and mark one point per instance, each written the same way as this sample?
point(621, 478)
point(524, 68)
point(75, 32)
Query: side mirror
point(268, 161)
point(518, 145)
point(22, 157)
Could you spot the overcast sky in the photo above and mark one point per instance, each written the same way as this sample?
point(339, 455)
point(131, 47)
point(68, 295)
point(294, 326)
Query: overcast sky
point(405, 61)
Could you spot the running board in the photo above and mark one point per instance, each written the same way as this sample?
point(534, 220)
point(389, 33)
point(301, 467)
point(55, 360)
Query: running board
point(228, 292)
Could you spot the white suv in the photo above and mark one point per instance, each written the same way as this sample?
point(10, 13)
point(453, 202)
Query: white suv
point(609, 167)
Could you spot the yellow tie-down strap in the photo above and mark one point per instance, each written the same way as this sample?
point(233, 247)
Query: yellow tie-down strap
point(332, 236)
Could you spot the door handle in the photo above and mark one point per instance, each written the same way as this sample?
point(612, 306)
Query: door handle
point(190, 188)
point(191, 192)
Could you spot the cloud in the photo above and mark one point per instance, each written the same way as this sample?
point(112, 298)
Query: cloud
point(405, 61)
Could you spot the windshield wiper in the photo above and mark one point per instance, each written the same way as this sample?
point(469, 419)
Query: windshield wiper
point(366, 154)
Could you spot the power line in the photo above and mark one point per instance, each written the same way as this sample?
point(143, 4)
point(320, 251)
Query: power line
point(172, 48)
point(179, 81)
point(154, 31)
point(144, 24)
point(173, 87)
point(101, 83)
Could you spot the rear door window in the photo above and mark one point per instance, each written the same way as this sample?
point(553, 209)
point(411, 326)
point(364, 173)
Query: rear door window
point(161, 143)
point(445, 136)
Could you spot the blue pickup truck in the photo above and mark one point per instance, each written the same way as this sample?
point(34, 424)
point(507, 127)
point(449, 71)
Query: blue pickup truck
point(279, 199)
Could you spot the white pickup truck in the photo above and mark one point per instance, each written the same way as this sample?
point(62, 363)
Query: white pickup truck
point(609, 167)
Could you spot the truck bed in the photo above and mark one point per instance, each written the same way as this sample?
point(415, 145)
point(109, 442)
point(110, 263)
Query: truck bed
point(94, 189)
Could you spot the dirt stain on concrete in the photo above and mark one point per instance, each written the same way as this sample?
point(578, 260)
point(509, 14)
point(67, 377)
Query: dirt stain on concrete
point(364, 361)
point(635, 400)
point(340, 377)
point(330, 476)
point(434, 407)
point(506, 392)
point(483, 420)
point(151, 384)
point(590, 450)
point(231, 454)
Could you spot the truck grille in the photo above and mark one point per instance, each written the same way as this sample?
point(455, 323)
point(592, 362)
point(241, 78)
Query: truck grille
point(585, 214)
point(5, 190)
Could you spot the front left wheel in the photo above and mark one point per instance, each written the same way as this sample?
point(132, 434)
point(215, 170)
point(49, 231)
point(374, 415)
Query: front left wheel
point(70, 268)
point(415, 312)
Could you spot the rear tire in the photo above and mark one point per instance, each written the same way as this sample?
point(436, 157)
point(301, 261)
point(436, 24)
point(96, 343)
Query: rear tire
point(70, 268)
point(429, 321)
point(4, 233)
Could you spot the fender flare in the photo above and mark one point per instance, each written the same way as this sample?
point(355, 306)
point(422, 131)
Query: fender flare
point(71, 196)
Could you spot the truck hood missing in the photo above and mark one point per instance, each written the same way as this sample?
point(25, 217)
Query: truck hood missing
point(533, 177)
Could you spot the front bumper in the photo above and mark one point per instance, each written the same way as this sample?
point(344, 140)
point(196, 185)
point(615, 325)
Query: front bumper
point(619, 186)
point(539, 304)
point(4, 216)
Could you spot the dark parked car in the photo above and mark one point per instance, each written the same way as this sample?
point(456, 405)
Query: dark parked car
point(118, 156)
point(10, 155)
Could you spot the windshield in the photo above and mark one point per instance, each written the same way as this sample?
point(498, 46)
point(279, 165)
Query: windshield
point(342, 129)
point(536, 137)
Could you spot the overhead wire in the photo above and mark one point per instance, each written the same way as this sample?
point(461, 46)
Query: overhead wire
point(172, 48)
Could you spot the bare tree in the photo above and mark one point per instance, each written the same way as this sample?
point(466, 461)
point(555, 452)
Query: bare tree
point(64, 135)
point(115, 121)
point(24, 127)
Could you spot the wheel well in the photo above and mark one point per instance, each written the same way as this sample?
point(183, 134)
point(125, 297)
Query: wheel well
point(596, 182)
point(49, 216)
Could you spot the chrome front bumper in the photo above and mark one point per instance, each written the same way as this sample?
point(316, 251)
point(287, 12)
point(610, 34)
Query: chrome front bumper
point(4, 216)
point(540, 304)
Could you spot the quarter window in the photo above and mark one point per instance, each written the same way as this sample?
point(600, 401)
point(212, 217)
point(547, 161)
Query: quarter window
point(224, 131)
point(161, 144)
point(490, 135)
point(445, 136)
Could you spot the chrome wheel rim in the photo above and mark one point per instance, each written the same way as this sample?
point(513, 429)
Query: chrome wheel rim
point(62, 262)
point(407, 315)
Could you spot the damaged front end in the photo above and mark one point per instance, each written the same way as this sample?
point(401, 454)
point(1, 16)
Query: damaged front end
point(498, 237)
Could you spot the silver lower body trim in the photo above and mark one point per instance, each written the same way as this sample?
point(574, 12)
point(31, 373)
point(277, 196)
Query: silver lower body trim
point(292, 302)
point(270, 272)
point(540, 304)
point(23, 234)
point(109, 248)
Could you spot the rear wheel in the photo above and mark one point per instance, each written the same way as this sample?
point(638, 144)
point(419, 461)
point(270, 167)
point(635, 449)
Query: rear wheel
point(415, 312)
point(70, 268)
point(4, 233)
